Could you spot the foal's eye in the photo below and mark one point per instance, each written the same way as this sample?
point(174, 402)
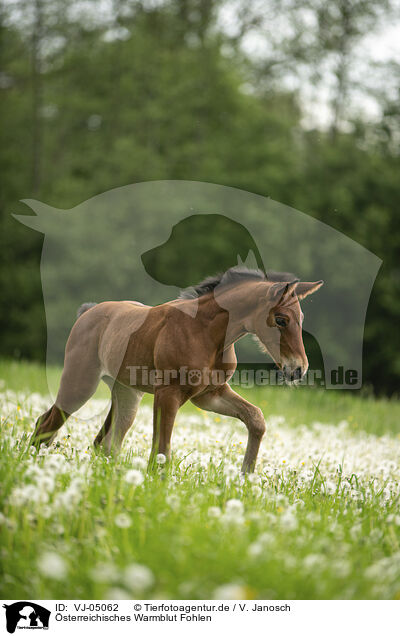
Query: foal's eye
point(280, 321)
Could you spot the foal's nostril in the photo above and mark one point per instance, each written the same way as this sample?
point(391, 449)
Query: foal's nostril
point(292, 374)
point(297, 373)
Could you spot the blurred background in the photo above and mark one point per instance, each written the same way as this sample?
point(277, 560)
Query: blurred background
point(297, 100)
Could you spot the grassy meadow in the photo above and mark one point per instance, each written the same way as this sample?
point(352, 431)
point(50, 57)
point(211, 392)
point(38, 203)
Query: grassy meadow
point(320, 517)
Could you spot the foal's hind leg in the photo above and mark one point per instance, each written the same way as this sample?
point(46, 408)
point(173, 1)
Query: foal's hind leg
point(47, 426)
point(79, 381)
point(124, 406)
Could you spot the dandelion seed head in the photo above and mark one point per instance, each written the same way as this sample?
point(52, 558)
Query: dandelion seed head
point(134, 477)
point(122, 520)
point(230, 592)
point(138, 577)
point(52, 566)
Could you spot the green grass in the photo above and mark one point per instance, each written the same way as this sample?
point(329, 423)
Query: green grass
point(35, 378)
point(304, 405)
point(300, 405)
point(322, 533)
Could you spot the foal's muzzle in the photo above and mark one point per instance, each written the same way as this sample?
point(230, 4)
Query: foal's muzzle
point(292, 374)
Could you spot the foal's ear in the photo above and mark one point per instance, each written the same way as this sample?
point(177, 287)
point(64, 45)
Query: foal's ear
point(305, 289)
point(278, 292)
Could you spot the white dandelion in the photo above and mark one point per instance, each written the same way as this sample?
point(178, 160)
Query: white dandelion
point(138, 577)
point(214, 512)
point(122, 520)
point(134, 477)
point(230, 592)
point(52, 565)
point(234, 507)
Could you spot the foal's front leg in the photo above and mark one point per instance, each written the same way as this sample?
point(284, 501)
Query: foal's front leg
point(167, 400)
point(225, 401)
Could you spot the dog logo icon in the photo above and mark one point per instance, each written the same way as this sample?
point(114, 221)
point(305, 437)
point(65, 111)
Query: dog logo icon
point(26, 615)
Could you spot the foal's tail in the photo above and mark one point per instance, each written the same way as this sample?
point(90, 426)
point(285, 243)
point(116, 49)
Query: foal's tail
point(84, 308)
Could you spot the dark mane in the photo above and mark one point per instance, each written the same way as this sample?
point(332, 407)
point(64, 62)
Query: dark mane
point(233, 276)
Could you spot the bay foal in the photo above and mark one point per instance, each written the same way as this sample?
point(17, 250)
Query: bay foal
point(180, 350)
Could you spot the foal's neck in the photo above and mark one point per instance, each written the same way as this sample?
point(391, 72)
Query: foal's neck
point(229, 312)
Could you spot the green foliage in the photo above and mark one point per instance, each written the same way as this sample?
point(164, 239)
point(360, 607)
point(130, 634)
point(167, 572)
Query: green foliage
point(173, 101)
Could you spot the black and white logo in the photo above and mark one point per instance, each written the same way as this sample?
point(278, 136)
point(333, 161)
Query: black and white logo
point(26, 615)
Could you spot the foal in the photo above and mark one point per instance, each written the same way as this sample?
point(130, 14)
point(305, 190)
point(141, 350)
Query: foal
point(180, 350)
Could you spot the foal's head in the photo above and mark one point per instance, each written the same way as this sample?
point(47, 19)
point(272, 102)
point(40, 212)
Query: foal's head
point(278, 325)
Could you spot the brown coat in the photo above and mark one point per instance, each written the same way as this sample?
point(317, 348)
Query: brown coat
point(180, 350)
